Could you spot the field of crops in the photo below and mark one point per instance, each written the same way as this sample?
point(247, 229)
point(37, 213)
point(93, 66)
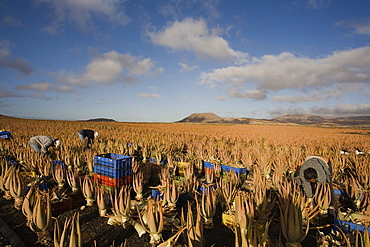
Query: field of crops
point(217, 185)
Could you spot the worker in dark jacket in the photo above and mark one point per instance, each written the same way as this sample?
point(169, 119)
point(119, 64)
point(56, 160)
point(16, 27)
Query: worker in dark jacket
point(89, 135)
point(42, 143)
point(315, 170)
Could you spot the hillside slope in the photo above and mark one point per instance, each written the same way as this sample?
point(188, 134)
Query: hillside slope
point(296, 119)
point(331, 121)
point(213, 118)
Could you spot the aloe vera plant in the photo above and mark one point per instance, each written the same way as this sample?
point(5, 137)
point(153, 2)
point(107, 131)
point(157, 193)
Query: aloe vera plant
point(70, 234)
point(323, 197)
point(5, 179)
point(208, 204)
point(138, 185)
point(155, 222)
point(88, 190)
point(40, 218)
point(194, 227)
point(17, 188)
point(295, 214)
point(171, 194)
point(121, 203)
point(73, 179)
point(59, 174)
point(102, 200)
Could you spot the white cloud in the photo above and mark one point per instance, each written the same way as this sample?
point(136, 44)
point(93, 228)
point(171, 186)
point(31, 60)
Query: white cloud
point(299, 98)
point(333, 92)
point(8, 94)
point(287, 71)
point(46, 86)
point(8, 61)
point(82, 13)
point(112, 67)
point(36, 95)
point(346, 109)
point(148, 95)
point(318, 4)
point(42, 86)
point(250, 94)
point(175, 9)
point(221, 98)
point(187, 67)
point(336, 111)
point(361, 27)
point(194, 36)
point(10, 21)
point(64, 89)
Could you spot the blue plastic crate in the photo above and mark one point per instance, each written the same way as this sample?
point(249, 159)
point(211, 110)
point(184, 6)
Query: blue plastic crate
point(43, 186)
point(340, 194)
point(5, 135)
point(238, 171)
point(156, 193)
point(183, 197)
point(12, 162)
point(57, 162)
point(113, 160)
point(347, 226)
point(111, 172)
point(225, 168)
point(204, 187)
point(152, 160)
point(208, 165)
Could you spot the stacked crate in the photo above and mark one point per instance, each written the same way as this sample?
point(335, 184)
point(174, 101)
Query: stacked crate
point(112, 170)
point(208, 167)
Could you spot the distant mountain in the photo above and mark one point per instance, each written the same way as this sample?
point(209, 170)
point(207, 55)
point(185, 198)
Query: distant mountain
point(201, 117)
point(101, 120)
point(291, 120)
point(303, 119)
point(7, 117)
point(213, 118)
point(296, 119)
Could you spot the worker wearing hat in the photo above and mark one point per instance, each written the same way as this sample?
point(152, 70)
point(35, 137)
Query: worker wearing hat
point(42, 143)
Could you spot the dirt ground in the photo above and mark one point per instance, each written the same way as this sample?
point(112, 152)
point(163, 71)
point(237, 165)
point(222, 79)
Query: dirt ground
point(96, 231)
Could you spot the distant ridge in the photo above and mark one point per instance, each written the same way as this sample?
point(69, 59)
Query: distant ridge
point(291, 120)
point(201, 117)
point(89, 120)
point(213, 118)
point(7, 117)
point(295, 119)
point(100, 120)
point(304, 119)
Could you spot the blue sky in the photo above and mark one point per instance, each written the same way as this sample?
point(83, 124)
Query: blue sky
point(160, 61)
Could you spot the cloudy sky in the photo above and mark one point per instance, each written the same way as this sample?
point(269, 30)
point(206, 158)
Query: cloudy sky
point(160, 61)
